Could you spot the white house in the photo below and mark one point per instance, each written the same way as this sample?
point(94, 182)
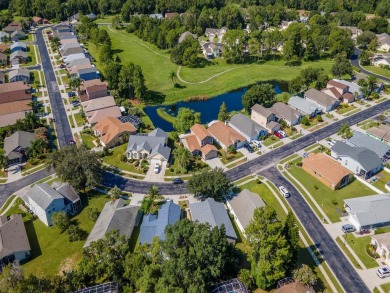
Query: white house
point(384, 42)
point(381, 242)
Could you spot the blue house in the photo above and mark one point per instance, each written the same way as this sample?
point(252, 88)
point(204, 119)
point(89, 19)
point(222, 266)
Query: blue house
point(88, 73)
point(154, 225)
point(18, 46)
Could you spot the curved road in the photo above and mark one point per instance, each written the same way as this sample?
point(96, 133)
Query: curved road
point(355, 62)
point(63, 130)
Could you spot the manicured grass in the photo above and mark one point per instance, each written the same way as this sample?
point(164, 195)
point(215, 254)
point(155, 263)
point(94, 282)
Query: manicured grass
point(270, 140)
point(196, 165)
point(312, 147)
point(289, 158)
point(325, 196)
point(156, 66)
point(104, 19)
point(295, 136)
point(114, 160)
point(276, 145)
point(228, 158)
point(7, 203)
point(378, 70)
point(243, 180)
point(344, 108)
point(239, 162)
point(354, 111)
point(386, 287)
point(79, 120)
point(31, 55)
point(383, 178)
point(88, 140)
point(340, 242)
point(368, 124)
point(358, 244)
point(164, 115)
point(51, 250)
point(15, 209)
point(312, 122)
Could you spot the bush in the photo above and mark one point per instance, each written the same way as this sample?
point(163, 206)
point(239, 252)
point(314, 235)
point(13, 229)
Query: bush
point(136, 163)
point(319, 118)
point(316, 187)
point(298, 164)
point(123, 158)
point(371, 251)
point(379, 231)
point(335, 202)
point(258, 181)
point(75, 233)
point(93, 214)
point(305, 121)
point(171, 169)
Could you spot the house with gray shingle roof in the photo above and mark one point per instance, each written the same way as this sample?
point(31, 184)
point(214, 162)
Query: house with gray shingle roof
point(284, 112)
point(116, 215)
point(154, 225)
point(18, 35)
point(360, 139)
point(14, 243)
point(215, 214)
point(368, 212)
point(324, 101)
point(248, 128)
point(15, 146)
point(151, 146)
point(44, 200)
point(242, 207)
point(306, 107)
point(360, 160)
point(20, 74)
point(18, 46)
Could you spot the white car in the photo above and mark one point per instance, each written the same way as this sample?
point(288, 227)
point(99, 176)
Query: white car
point(331, 142)
point(283, 190)
point(156, 168)
point(282, 133)
point(383, 272)
point(257, 143)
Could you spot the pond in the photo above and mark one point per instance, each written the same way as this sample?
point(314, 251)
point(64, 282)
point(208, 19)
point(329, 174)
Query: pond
point(208, 108)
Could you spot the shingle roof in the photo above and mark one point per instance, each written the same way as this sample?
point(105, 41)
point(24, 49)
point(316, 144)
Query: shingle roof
point(87, 70)
point(246, 125)
point(13, 236)
point(66, 190)
point(18, 44)
point(96, 116)
point(305, 106)
point(200, 131)
point(18, 139)
point(382, 131)
point(16, 106)
point(353, 87)
point(244, 204)
point(110, 127)
point(383, 239)
point(11, 118)
point(73, 57)
point(98, 103)
point(294, 287)
point(19, 71)
point(370, 210)
point(43, 195)
point(73, 50)
point(154, 226)
point(283, 111)
point(116, 215)
point(184, 35)
point(320, 98)
point(224, 133)
point(335, 83)
point(214, 213)
point(362, 140)
point(365, 157)
point(265, 112)
point(18, 54)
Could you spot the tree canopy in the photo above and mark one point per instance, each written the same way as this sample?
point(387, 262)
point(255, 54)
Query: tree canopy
point(185, 119)
point(263, 94)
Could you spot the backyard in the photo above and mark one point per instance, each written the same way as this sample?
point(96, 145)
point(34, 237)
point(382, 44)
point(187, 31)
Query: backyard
point(383, 178)
point(329, 200)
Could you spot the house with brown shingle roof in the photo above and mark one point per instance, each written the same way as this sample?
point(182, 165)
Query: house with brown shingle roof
point(288, 114)
point(92, 89)
point(327, 170)
point(265, 117)
point(200, 142)
point(14, 243)
point(112, 132)
point(95, 116)
point(16, 91)
point(339, 91)
point(225, 135)
point(170, 15)
point(381, 133)
point(325, 102)
point(13, 26)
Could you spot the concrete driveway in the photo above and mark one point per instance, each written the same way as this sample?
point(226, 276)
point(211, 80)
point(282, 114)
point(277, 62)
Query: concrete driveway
point(247, 154)
point(153, 177)
point(216, 162)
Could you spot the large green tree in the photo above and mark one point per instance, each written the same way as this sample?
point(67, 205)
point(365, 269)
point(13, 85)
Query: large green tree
point(183, 157)
point(185, 119)
point(291, 233)
point(341, 66)
point(223, 114)
point(270, 252)
point(263, 94)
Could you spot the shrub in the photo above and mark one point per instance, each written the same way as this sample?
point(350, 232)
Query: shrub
point(258, 181)
point(316, 187)
point(298, 164)
point(75, 233)
point(123, 158)
point(136, 163)
point(379, 231)
point(335, 202)
point(171, 169)
point(319, 118)
point(371, 251)
point(93, 214)
point(305, 121)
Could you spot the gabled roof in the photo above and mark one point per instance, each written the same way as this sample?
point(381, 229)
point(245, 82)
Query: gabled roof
point(320, 98)
point(265, 112)
point(72, 50)
point(360, 139)
point(18, 33)
point(73, 57)
point(353, 87)
point(333, 91)
point(18, 139)
point(14, 107)
point(246, 125)
point(11, 118)
point(294, 287)
point(66, 190)
point(225, 134)
point(365, 157)
point(214, 213)
point(383, 239)
point(384, 39)
point(335, 83)
point(184, 35)
point(87, 70)
point(370, 210)
point(244, 205)
point(19, 72)
point(43, 195)
point(158, 132)
point(382, 131)
point(283, 111)
point(98, 103)
point(96, 116)
point(305, 106)
point(18, 54)
point(200, 131)
point(110, 127)
point(154, 225)
point(17, 45)
point(116, 215)
point(13, 236)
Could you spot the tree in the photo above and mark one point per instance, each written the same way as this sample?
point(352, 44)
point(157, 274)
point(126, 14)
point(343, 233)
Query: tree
point(305, 275)
point(223, 113)
point(183, 157)
point(345, 131)
point(365, 38)
point(263, 94)
point(115, 192)
point(76, 165)
point(37, 148)
point(340, 42)
point(291, 233)
point(11, 277)
point(371, 82)
point(60, 220)
point(185, 119)
point(75, 83)
point(296, 84)
point(341, 66)
point(153, 192)
point(75, 233)
point(305, 121)
point(172, 77)
point(269, 250)
point(209, 183)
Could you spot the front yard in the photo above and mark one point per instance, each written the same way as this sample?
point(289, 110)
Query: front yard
point(329, 200)
point(196, 165)
point(270, 140)
point(359, 244)
point(344, 108)
point(114, 159)
point(227, 158)
point(88, 140)
point(368, 124)
point(383, 178)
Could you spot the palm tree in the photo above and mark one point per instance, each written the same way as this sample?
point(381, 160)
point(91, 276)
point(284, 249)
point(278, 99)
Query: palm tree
point(37, 147)
point(75, 83)
point(345, 131)
point(173, 77)
point(153, 192)
point(183, 157)
point(372, 81)
point(115, 192)
point(3, 159)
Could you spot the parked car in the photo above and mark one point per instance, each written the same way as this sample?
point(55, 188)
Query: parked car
point(62, 65)
point(277, 134)
point(331, 142)
point(71, 94)
point(305, 155)
point(75, 103)
point(177, 181)
point(383, 272)
point(283, 190)
point(156, 168)
point(248, 147)
point(348, 228)
point(282, 133)
point(71, 141)
point(257, 143)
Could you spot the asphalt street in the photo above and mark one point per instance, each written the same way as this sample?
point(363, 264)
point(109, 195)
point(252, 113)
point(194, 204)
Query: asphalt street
point(355, 62)
point(63, 130)
point(331, 253)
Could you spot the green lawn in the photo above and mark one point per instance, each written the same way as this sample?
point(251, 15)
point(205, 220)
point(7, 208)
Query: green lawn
point(325, 196)
point(270, 140)
point(31, 54)
point(386, 287)
point(358, 244)
point(343, 108)
point(51, 250)
point(341, 242)
point(156, 66)
point(196, 165)
point(378, 70)
point(79, 120)
point(228, 158)
point(114, 160)
point(383, 178)
point(239, 162)
point(368, 124)
point(7, 203)
point(88, 140)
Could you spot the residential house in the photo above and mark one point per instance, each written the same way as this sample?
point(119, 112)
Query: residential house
point(154, 225)
point(216, 33)
point(16, 91)
point(97, 104)
point(294, 287)
point(361, 161)
point(212, 50)
point(265, 117)
point(355, 32)
point(285, 24)
point(44, 200)
point(213, 213)
point(381, 242)
point(14, 241)
point(325, 102)
point(353, 88)
point(284, 112)
point(69, 41)
point(3, 47)
point(91, 16)
point(93, 89)
point(112, 132)
point(3, 61)
point(18, 57)
point(381, 60)
point(88, 73)
point(67, 36)
point(242, 207)
point(75, 17)
point(381, 133)
point(306, 107)
point(70, 58)
point(339, 91)
point(20, 74)
point(116, 215)
point(170, 15)
point(248, 128)
point(384, 42)
point(156, 16)
point(72, 50)
point(37, 20)
point(77, 62)
point(327, 170)
point(95, 116)
point(65, 47)
point(360, 139)
point(75, 69)
point(18, 46)
point(368, 212)
point(18, 35)
point(15, 146)
point(200, 142)
point(186, 34)
point(4, 36)
point(225, 135)
point(152, 147)
point(12, 117)
point(13, 26)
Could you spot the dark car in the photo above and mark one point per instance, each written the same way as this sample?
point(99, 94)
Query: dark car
point(71, 94)
point(177, 181)
point(249, 148)
point(75, 103)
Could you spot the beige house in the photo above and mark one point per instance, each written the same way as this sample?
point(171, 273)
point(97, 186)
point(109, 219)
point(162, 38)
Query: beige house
point(200, 142)
point(265, 117)
point(225, 135)
point(382, 244)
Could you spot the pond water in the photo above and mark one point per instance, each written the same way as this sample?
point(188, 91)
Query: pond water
point(208, 108)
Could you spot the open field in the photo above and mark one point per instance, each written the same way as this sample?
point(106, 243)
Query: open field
point(156, 66)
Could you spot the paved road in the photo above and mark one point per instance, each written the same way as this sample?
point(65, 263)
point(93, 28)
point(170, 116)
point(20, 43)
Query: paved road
point(331, 253)
point(355, 62)
point(63, 129)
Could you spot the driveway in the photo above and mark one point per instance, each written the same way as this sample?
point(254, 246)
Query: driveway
point(151, 176)
point(247, 154)
point(216, 162)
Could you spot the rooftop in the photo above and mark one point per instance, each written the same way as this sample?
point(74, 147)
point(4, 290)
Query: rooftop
point(224, 133)
point(360, 139)
point(13, 236)
point(110, 127)
point(320, 98)
point(245, 124)
point(305, 106)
